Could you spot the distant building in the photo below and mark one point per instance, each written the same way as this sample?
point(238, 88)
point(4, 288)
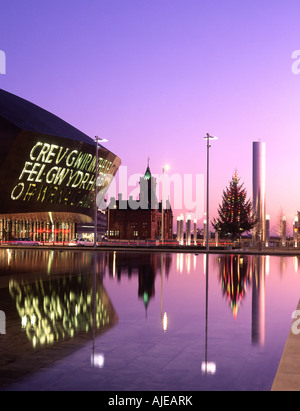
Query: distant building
point(140, 219)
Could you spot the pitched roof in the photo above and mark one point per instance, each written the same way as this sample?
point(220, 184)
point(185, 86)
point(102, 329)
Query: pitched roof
point(30, 117)
point(148, 175)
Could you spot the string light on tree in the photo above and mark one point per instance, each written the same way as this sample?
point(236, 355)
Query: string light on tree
point(235, 212)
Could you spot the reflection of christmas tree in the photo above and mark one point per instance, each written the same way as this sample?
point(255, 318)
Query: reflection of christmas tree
point(234, 272)
point(235, 211)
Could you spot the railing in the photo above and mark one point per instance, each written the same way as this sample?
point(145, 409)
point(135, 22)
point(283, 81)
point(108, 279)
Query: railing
point(117, 242)
point(225, 245)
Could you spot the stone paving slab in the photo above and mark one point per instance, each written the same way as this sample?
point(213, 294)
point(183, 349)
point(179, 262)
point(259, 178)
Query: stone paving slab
point(288, 374)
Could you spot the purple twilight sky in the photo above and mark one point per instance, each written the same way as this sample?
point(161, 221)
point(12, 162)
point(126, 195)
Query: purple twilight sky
point(154, 76)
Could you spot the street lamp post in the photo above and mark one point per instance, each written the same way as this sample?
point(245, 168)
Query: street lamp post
point(97, 139)
point(208, 138)
point(96, 185)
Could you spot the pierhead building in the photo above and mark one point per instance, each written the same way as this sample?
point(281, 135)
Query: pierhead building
point(140, 219)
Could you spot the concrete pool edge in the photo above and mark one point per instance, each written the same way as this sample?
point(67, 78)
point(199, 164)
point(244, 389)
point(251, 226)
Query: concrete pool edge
point(288, 373)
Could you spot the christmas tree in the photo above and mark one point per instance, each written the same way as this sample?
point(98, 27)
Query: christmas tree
point(235, 212)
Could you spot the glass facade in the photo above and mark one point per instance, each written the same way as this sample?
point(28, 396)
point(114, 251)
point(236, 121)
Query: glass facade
point(48, 173)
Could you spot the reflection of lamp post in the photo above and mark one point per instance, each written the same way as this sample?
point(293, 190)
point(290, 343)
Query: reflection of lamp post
point(96, 206)
point(208, 138)
point(164, 318)
point(206, 366)
point(165, 168)
point(165, 322)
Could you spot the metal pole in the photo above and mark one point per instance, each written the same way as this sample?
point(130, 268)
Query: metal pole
point(162, 207)
point(208, 138)
point(96, 207)
point(207, 195)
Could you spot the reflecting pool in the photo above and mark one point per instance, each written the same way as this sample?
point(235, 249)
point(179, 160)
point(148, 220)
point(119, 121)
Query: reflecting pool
point(143, 321)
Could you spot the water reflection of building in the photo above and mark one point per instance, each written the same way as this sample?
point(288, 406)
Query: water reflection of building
point(54, 302)
point(54, 310)
point(186, 262)
point(18, 261)
point(145, 266)
point(258, 300)
point(234, 273)
point(49, 308)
